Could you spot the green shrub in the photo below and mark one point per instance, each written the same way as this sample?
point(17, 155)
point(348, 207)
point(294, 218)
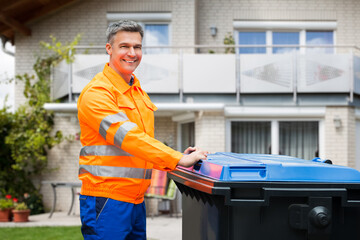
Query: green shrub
point(26, 135)
point(5, 203)
point(21, 206)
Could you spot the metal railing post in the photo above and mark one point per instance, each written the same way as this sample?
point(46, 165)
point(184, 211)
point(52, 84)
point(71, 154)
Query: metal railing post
point(70, 80)
point(238, 76)
point(181, 76)
point(352, 75)
point(52, 73)
point(295, 75)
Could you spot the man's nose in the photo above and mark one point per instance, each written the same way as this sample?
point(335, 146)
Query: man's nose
point(131, 51)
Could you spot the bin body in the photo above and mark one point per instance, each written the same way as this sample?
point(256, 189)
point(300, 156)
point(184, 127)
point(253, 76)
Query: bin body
point(245, 196)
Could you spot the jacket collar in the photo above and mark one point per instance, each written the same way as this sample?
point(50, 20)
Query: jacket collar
point(118, 81)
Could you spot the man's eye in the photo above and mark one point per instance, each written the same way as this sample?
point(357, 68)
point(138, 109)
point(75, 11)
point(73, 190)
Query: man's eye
point(124, 47)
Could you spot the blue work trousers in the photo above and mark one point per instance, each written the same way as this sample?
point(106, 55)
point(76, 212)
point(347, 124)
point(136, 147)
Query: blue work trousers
point(105, 219)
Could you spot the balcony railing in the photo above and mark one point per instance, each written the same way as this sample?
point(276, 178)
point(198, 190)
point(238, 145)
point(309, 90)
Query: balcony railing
point(182, 71)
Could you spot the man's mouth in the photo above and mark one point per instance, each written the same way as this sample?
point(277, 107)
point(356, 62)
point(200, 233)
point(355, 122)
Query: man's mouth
point(129, 61)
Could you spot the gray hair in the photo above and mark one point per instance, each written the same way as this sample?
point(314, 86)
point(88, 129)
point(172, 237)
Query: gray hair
point(122, 25)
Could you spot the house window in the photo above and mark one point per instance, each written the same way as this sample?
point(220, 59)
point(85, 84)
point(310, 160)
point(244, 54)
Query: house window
point(251, 137)
point(156, 29)
point(299, 139)
point(187, 135)
point(292, 138)
point(284, 33)
point(252, 38)
point(285, 38)
point(156, 35)
point(320, 38)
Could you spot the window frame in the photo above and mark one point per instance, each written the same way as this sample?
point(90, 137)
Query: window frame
point(183, 119)
point(153, 18)
point(237, 40)
point(283, 26)
point(301, 121)
point(247, 120)
point(275, 131)
point(157, 23)
point(271, 33)
point(180, 143)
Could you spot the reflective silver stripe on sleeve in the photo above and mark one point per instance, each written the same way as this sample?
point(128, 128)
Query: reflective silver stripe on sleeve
point(103, 150)
point(121, 172)
point(122, 131)
point(108, 120)
point(148, 173)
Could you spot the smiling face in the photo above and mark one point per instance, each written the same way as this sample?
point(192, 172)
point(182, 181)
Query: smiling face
point(125, 53)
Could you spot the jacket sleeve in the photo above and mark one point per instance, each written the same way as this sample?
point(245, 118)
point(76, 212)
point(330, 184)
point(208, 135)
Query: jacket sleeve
point(98, 108)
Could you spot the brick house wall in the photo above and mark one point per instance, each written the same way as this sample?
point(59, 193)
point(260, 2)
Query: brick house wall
point(340, 142)
point(210, 131)
point(223, 13)
point(63, 164)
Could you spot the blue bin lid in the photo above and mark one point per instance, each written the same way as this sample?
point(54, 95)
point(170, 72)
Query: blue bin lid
point(263, 167)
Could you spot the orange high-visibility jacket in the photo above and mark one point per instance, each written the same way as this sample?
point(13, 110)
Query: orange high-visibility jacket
point(117, 134)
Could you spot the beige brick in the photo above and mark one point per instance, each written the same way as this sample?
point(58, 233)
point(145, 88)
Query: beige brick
point(340, 142)
point(206, 137)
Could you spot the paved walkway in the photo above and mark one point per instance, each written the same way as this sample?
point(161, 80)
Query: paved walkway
point(161, 227)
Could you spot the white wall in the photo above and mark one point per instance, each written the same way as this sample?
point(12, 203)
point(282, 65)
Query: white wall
point(7, 71)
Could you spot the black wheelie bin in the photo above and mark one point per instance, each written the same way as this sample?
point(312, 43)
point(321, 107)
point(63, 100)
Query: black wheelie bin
point(257, 197)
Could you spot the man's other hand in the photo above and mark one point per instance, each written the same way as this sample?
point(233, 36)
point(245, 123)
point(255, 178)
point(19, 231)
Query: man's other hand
point(194, 154)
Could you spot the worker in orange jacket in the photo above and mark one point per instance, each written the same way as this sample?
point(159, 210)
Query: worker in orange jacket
point(119, 150)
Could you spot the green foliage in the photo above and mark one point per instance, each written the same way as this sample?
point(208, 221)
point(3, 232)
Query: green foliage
point(34, 202)
point(21, 206)
point(27, 134)
point(5, 203)
point(30, 137)
point(66, 51)
point(229, 40)
point(6, 175)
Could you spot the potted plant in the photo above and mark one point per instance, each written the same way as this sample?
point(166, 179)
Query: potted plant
point(21, 212)
point(5, 208)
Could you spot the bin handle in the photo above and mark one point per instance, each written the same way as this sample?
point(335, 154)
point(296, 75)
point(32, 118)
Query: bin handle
point(293, 192)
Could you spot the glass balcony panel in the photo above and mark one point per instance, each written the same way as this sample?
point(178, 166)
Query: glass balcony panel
point(60, 80)
point(85, 67)
point(159, 73)
point(324, 73)
point(217, 73)
point(209, 73)
point(356, 74)
point(267, 73)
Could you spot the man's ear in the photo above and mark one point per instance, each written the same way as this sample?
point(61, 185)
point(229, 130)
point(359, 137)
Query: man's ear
point(108, 48)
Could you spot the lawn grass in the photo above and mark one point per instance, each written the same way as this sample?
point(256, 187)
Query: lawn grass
point(40, 233)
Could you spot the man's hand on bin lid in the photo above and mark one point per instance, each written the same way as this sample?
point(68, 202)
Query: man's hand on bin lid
point(192, 156)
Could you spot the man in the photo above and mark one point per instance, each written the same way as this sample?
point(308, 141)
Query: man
point(119, 150)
